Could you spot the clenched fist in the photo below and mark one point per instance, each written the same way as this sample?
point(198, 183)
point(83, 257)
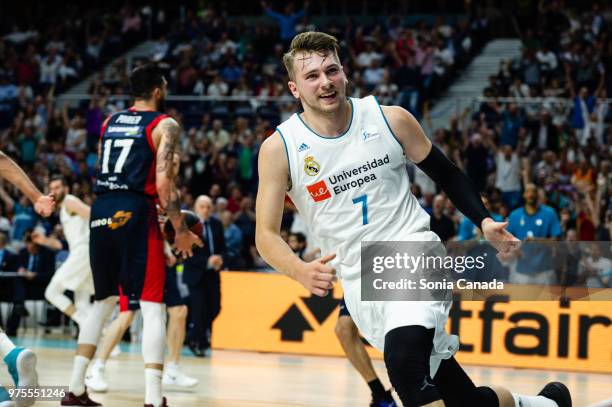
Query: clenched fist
point(317, 276)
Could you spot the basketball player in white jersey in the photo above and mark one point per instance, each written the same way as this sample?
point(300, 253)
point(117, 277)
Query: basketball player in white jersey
point(342, 162)
point(75, 273)
point(21, 362)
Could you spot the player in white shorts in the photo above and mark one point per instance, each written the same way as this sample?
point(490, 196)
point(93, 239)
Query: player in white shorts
point(21, 362)
point(342, 162)
point(75, 273)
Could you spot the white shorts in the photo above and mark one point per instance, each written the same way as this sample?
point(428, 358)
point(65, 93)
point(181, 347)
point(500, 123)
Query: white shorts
point(75, 273)
point(376, 318)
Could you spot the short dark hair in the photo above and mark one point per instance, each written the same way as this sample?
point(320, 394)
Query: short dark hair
point(300, 237)
point(144, 79)
point(59, 177)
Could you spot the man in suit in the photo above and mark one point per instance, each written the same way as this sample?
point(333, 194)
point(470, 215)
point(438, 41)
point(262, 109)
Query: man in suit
point(36, 265)
point(544, 134)
point(201, 274)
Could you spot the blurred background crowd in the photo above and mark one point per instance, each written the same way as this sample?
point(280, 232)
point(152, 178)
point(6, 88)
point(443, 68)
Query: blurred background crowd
point(523, 154)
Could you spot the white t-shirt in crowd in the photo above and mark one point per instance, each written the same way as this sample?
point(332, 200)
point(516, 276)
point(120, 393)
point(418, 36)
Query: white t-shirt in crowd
point(508, 175)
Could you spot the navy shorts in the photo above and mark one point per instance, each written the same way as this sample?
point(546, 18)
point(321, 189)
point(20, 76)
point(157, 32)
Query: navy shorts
point(344, 312)
point(172, 295)
point(126, 248)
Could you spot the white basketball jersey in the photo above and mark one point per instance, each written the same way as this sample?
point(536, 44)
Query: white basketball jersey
point(352, 188)
point(76, 229)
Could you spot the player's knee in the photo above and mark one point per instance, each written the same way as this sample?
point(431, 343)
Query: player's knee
point(346, 329)
point(103, 308)
point(91, 329)
point(178, 313)
point(406, 353)
point(153, 311)
point(126, 318)
point(495, 396)
point(109, 301)
point(52, 291)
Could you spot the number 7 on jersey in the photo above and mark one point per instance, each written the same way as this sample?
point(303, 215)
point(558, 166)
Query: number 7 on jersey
point(363, 199)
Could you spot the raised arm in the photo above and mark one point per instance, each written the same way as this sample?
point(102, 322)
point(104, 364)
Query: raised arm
point(168, 132)
point(316, 276)
point(434, 163)
point(457, 186)
point(569, 83)
point(271, 13)
point(44, 205)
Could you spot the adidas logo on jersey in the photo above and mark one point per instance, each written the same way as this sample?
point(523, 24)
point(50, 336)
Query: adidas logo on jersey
point(319, 191)
point(303, 147)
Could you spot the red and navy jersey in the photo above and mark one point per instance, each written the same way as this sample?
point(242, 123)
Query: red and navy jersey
point(127, 159)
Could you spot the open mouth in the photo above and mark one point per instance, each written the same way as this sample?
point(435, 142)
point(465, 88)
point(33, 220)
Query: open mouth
point(328, 96)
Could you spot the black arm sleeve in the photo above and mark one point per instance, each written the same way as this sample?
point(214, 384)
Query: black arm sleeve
point(455, 184)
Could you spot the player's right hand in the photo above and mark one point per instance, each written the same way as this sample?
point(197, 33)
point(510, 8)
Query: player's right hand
point(45, 205)
point(317, 276)
point(184, 241)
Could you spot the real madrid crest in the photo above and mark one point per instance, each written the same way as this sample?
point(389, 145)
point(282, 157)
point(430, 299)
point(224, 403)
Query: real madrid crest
point(311, 167)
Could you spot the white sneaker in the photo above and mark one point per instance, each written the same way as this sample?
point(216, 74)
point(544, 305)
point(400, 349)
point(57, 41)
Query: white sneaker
point(177, 378)
point(21, 364)
point(96, 379)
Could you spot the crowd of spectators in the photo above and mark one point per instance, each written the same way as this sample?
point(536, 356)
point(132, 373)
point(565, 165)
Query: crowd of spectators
point(556, 150)
point(543, 154)
point(205, 53)
point(209, 56)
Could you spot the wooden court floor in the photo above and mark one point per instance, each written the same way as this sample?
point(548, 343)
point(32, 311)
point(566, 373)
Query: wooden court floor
point(245, 379)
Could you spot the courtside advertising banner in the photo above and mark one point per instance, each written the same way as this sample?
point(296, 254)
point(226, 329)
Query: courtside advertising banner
point(272, 313)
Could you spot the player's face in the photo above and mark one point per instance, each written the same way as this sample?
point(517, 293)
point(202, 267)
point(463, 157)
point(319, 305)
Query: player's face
point(319, 81)
point(58, 191)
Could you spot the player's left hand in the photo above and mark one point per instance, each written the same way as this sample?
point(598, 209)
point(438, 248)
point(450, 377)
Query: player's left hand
point(45, 205)
point(184, 241)
point(505, 242)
